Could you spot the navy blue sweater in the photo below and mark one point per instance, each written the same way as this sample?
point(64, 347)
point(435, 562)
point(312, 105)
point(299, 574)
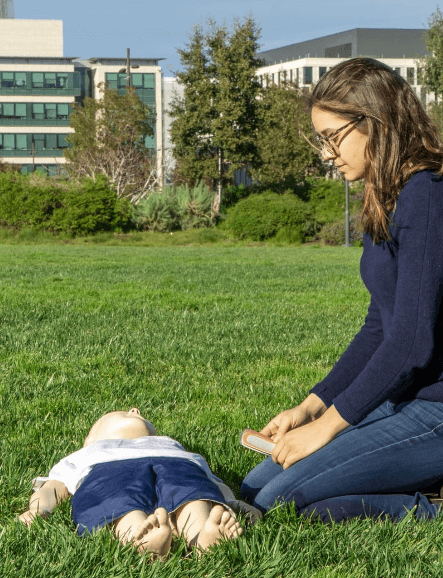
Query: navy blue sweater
point(398, 353)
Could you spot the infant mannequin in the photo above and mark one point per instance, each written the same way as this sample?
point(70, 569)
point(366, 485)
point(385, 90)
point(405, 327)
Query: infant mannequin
point(146, 486)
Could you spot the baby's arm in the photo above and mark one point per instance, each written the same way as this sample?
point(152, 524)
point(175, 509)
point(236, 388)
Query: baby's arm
point(45, 500)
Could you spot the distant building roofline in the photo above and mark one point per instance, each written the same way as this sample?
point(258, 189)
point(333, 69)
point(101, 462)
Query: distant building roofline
point(341, 32)
point(121, 60)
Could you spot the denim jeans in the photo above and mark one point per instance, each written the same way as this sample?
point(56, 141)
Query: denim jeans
point(396, 449)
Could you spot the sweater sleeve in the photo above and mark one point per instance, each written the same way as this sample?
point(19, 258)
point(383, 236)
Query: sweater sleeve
point(354, 359)
point(408, 348)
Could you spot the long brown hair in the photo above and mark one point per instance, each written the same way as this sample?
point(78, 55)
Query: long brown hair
point(402, 139)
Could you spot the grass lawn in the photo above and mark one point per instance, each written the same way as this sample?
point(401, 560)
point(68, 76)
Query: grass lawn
point(205, 341)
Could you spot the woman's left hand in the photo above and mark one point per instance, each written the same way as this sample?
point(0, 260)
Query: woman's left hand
point(307, 439)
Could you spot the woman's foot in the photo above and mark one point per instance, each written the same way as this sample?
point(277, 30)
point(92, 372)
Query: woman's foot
point(154, 534)
point(220, 524)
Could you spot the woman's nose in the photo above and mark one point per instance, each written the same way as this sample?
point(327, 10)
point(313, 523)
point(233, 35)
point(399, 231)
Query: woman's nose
point(327, 154)
point(134, 410)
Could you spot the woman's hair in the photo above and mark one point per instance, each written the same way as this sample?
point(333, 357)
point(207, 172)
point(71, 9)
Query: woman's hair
point(402, 139)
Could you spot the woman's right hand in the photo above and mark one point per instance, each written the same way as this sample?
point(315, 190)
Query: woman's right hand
point(309, 410)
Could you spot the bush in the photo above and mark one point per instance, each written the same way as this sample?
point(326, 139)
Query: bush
point(261, 216)
point(176, 208)
point(43, 203)
point(91, 208)
point(334, 233)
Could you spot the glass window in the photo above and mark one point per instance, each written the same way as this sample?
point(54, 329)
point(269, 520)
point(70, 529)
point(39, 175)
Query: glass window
point(20, 79)
point(111, 79)
point(62, 80)
point(63, 111)
point(9, 142)
point(1, 141)
point(397, 70)
point(122, 80)
point(8, 79)
point(8, 110)
point(149, 80)
point(51, 141)
point(39, 141)
point(419, 75)
point(410, 75)
point(20, 110)
point(137, 80)
point(22, 141)
point(38, 111)
point(62, 144)
point(37, 80)
point(322, 71)
point(51, 111)
point(307, 74)
point(50, 80)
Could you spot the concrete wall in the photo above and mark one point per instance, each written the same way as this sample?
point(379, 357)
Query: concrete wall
point(31, 37)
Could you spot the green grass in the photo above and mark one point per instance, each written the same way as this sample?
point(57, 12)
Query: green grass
point(205, 341)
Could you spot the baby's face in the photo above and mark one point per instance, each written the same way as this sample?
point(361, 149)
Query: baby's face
point(120, 425)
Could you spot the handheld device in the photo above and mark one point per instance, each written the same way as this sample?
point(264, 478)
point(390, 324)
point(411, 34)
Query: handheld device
point(256, 441)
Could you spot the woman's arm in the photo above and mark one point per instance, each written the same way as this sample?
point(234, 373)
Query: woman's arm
point(44, 501)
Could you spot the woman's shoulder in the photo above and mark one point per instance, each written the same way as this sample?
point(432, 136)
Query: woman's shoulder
point(423, 181)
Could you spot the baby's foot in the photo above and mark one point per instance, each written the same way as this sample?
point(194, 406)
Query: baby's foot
point(220, 524)
point(154, 534)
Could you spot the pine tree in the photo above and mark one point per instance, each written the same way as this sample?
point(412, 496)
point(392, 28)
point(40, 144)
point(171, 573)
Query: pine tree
point(218, 111)
point(284, 153)
point(432, 73)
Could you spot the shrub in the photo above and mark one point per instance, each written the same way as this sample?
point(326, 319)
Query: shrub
point(334, 233)
point(260, 216)
point(42, 203)
point(92, 207)
point(176, 208)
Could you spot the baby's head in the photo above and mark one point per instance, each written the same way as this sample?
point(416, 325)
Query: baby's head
point(120, 425)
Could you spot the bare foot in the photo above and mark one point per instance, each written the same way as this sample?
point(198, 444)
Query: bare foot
point(154, 534)
point(220, 524)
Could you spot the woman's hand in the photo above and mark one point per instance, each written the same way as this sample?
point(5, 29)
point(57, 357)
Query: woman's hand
point(309, 410)
point(307, 439)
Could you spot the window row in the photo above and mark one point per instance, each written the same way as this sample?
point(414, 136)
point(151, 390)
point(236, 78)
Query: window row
point(138, 80)
point(305, 75)
point(39, 142)
point(36, 111)
point(27, 80)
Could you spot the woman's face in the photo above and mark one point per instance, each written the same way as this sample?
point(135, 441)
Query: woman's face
point(350, 158)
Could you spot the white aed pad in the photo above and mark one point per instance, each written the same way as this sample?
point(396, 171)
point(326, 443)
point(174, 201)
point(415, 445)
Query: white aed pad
point(256, 441)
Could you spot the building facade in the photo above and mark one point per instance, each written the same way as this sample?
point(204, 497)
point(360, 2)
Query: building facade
point(39, 86)
point(306, 62)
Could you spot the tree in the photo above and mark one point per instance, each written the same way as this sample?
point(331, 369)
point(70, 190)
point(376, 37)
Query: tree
point(109, 139)
point(284, 153)
point(217, 114)
point(432, 66)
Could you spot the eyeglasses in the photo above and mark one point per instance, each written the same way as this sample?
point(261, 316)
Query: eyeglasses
point(326, 142)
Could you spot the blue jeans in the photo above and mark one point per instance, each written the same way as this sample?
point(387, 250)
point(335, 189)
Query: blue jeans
point(396, 449)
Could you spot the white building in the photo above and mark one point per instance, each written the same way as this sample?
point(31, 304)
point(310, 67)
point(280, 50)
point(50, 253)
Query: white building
point(306, 62)
point(38, 86)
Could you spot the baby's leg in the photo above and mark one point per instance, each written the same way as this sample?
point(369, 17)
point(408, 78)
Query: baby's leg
point(204, 523)
point(148, 532)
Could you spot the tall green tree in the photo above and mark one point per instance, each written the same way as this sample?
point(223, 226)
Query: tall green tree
point(109, 139)
point(432, 66)
point(218, 113)
point(285, 155)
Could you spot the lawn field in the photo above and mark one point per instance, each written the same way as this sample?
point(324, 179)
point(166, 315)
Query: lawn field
point(205, 341)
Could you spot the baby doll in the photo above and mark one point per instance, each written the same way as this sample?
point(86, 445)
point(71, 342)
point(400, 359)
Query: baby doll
point(146, 486)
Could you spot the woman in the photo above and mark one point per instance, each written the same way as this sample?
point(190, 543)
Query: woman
point(375, 424)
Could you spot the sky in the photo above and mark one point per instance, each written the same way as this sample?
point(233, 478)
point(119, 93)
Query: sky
point(155, 29)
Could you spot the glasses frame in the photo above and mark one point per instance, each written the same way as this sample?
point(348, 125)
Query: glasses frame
point(326, 141)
